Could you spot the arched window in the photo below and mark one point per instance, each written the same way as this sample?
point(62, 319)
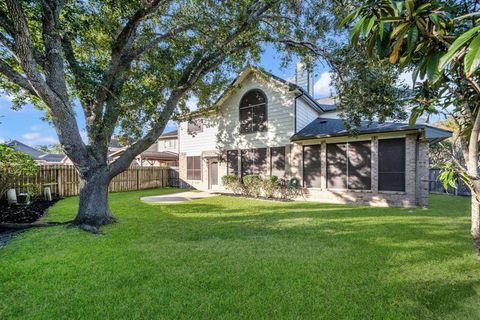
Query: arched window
point(253, 112)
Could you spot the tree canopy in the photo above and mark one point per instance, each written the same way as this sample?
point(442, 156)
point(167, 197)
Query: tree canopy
point(440, 42)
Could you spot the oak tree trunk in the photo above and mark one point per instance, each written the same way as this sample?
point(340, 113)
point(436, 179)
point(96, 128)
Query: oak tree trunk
point(94, 210)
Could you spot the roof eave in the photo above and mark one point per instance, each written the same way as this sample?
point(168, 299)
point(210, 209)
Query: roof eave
point(346, 134)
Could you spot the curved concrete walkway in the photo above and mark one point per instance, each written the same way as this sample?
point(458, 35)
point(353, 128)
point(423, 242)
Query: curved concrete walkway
point(177, 197)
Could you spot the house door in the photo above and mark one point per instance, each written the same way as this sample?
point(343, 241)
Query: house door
point(213, 174)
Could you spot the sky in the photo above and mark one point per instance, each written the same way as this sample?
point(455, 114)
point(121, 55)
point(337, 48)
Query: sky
point(26, 125)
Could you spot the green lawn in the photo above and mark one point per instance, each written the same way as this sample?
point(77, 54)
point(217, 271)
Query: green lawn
point(225, 257)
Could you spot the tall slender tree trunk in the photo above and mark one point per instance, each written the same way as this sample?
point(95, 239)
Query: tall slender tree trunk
point(475, 223)
point(94, 210)
point(472, 167)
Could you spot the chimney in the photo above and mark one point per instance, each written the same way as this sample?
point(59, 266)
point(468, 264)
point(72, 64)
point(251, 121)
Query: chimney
point(304, 78)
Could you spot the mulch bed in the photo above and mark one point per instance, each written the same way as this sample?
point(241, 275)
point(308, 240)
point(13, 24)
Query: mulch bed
point(24, 214)
point(21, 214)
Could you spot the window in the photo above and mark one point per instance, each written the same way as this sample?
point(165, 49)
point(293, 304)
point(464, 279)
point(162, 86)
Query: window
point(194, 169)
point(253, 112)
point(232, 162)
point(170, 144)
point(277, 161)
point(349, 166)
point(312, 166)
point(254, 161)
point(337, 166)
point(359, 165)
point(195, 126)
point(391, 164)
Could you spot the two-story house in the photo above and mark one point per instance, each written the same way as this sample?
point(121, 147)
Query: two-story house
point(268, 126)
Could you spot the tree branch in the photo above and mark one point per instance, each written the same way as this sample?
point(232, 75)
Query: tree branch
point(54, 66)
point(117, 65)
point(16, 78)
point(62, 111)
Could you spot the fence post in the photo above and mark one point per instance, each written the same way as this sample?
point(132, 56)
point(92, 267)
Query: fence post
point(59, 181)
point(138, 179)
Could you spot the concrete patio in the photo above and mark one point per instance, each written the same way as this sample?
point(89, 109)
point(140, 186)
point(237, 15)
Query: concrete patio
point(178, 197)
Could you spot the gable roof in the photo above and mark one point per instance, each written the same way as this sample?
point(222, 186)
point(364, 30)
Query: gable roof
point(34, 153)
point(52, 157)
point(169, 135)
point(22, 147)
point(326, 128)
point(257, 70)
point(329, 103)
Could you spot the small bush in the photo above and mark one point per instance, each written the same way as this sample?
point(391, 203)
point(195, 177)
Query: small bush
point(253, 185)
point(233, 183)
point(14, 164)
point(270, 186)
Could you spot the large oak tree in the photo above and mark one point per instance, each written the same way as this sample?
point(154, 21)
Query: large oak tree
point(131, 65)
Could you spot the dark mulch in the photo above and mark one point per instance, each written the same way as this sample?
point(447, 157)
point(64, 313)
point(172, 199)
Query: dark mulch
point(21, 214)
point(24, 214)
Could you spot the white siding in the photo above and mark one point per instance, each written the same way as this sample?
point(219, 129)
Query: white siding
point(194, 145)
point(305, 114)
point(167, 145)
point(280, 117)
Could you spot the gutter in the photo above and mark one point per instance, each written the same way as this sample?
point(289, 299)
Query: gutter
point(293, 138)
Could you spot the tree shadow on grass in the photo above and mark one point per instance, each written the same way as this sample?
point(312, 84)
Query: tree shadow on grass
point(398, 244)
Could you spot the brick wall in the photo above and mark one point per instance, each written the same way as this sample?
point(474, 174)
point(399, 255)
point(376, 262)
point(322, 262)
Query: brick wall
point(374, 197)
point(416, 187)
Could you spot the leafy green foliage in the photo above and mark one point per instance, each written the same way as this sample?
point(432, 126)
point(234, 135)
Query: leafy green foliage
point(439, 41)
point(362, 82)
point(233, 183)
point(270, 186)
point(52, 148)
point(14, 164)
point(253, 185)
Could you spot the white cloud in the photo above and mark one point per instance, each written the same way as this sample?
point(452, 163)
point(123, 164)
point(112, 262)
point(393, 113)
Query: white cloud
point(36, 138)
point(322, 87)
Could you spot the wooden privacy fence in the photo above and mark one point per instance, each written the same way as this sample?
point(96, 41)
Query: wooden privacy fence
point(435, 185)
point(63, 180)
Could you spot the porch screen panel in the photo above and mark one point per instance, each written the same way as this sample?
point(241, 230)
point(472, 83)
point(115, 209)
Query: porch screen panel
point(194, 171)
point(337, 165)
point(232, 162)
point(359, 165)
point(312, 166)
point(391, 164)
point(277, 161)
point(254, 161)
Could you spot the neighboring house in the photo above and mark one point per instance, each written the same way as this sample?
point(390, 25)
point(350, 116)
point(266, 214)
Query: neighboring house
point(165, 150)
point(41, 158)
point(268, 126)
point(160, 154)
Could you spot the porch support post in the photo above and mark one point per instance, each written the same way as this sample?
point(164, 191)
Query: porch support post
point(374, 164)
point(323, 165)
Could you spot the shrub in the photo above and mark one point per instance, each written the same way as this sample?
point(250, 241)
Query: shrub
point(270, 186)
point(253, 185)
point(233, 184)
point(14, 164)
